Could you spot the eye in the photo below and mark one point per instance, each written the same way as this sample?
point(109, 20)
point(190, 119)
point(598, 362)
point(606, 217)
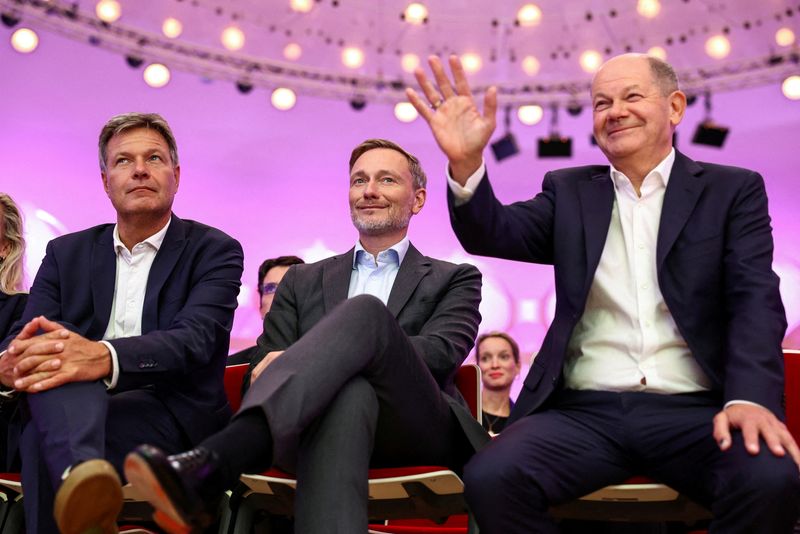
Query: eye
point(358, 181)
point(155, 157)
point(633, 97)
point(600, 105)
point(121, 160)
point(388, 179)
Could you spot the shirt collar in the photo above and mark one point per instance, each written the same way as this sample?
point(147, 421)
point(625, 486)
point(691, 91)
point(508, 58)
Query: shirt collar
point(661, 171)
point(154, 240)
point(398, 250)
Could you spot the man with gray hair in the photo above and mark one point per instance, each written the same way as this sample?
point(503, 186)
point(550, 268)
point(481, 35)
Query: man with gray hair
point(124, 337)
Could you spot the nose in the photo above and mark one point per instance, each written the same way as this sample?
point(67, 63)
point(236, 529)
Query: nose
point(140, 168)
point(495, 362)
point(371, 189)
point(617, 110)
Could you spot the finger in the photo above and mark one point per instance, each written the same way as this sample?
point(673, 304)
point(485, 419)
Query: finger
point(420, 105)
point(26, 383)
point(53, 381)
point(31, 365)
point(427, 87)
point(441, 78)
point(490, 105)
point(774, 436)
point(29, 330)
point(722, 431)
point(459, 77)
point(49, 326)
point(750, 434)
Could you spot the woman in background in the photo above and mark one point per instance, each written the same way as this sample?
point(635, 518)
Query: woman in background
point(12, 251)
point(498, 359)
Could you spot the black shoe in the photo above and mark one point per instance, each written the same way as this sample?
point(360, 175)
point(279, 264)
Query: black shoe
point(185, 489)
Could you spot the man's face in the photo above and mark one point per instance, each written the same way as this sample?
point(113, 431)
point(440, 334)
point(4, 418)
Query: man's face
point(273, 276)
point(140, 178)
point(382, 193)
point(633, 120)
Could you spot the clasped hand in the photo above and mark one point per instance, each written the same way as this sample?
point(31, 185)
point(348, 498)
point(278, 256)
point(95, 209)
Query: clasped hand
point(37, 362)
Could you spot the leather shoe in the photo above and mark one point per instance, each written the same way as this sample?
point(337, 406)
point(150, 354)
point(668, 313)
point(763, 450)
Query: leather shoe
point(89, 500)
point(185, 489)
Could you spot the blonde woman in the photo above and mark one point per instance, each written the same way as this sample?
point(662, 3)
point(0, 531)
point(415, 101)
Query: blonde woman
point(12, 251)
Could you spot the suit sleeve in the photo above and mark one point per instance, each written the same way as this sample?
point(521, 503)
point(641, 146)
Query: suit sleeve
point(449, 334)
point(199, 331)
point(520, 231)
point(756, 321)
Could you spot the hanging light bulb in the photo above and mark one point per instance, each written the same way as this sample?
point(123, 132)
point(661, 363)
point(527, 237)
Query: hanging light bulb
point(648, 8)
point(156, 75)
point(405, 112)
point(172, 27)
point(784, 37)
point(352, 57)
point(108, 10)
point(530, 114)
point(591, 60)
point(415, 13)
point(24, 40)
point(292, 51)
point(409, 62)
point(530, 65)
point(471, 62)
point(283, 98)
point(718, 46)
point(232, 38)
point(529, 15)
point(658, 52)
point(301, 6)
point(791, 87)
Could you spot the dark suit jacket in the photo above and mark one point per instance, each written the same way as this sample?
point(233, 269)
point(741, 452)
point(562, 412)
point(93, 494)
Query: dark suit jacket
point(186, 321)
point(714, 261)
point(435, 303)
point(11, 308)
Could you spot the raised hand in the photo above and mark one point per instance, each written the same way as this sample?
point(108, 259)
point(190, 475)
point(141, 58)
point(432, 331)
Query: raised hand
point(459, 128)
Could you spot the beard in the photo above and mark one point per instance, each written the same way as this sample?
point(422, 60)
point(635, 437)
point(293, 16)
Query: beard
point(394, 220)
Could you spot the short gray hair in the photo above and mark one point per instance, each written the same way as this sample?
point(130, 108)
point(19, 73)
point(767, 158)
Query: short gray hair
point(130, 121)
point(420, 180)
point(664, 75)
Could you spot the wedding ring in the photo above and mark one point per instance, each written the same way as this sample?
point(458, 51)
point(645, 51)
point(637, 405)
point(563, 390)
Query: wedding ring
point(436, 105)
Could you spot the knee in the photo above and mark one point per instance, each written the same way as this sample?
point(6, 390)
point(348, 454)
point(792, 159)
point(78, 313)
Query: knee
point(773, 478)
point(364, 308)
point(490, 480)
point(356, 401)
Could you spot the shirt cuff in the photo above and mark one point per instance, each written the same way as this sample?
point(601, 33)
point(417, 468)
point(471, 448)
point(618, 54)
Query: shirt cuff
point(464, 193)
point(111, 383)
point(737, 401)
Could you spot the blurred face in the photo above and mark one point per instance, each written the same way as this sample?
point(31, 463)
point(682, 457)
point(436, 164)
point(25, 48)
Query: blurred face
point(270, 285)
point(382, 193)
point(633, 120)
point(140, 177)
point(496, 361)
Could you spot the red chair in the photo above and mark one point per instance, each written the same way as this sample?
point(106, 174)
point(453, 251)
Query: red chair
point(431, 492)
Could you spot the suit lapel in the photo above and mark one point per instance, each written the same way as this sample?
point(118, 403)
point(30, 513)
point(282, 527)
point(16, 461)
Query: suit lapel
point(597, 202)
point(336, 279)
point(103, 272)
point(680, 198)
point(414, 267)
point(164, 263)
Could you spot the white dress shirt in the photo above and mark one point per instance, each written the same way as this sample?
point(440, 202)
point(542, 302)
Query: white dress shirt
point(375, 275)
point(133, 269)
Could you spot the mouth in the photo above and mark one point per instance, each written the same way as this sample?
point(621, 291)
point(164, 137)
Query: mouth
point(139, 189)
point(371, 207)
point(495, 375)
point(620, 130)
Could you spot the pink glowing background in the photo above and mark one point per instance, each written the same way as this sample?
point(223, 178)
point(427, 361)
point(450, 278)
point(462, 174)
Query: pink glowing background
point(277, 181)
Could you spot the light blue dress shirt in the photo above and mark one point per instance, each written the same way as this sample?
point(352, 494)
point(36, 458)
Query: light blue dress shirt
point(375, 275)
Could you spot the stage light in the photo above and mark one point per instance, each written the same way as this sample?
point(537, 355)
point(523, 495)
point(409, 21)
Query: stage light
point(784, 37)
point(648, 8)
point(172, 28)
point(244, 87)
point(352, 57)
point(358, 102)
point(574, 109)
point(9, 19)
point(591, 60)
point(471, 62)
point(24, 40)
point(108, 10)
point(530, 114)
point(530, 65)
point(708, 132)
point(718, 46)
point(292, 51)
point(409, 62)
point(283, 98)
point(529, 15)
point(554, 146)
point(156, 75)
point(232, 38)
point(405, 112)
point(415, 13)
point(506, 146)
point(791, 87)
point(301, 6)
point(134, 62)
point(658, 52)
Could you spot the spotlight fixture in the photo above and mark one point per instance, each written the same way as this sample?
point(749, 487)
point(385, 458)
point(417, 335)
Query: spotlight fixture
point(405, 112)
point(156, 75)
point(791, 87)
point(657, 52)
point(24, 40)
point(691, 100)
point(528, 15)
point(134, 62)
point(574, 109)
point(172, 27)
point(415, 13)
point(232, 38)
point(506, 146)
point(708, 132)
point(283, 98)
point(9, 19)
point(591, 60)
point(554, 146)
point(358, 102)
point(244, 87)
point(530, 114)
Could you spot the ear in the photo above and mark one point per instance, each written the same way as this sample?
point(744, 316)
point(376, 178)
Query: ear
point(677, 107)
point(177, 172)
point(419, 200)
point(105, 182)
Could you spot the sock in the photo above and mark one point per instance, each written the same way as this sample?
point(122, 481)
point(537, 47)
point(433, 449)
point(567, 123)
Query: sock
point(244, 446)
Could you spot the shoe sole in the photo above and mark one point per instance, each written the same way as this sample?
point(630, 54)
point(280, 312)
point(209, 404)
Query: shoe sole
point(89, 500)
point(142, 477)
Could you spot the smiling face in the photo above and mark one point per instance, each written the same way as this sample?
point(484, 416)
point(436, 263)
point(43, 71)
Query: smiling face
point(633, 117)
point(497, 364)
point(140, 178)
point(382, 193)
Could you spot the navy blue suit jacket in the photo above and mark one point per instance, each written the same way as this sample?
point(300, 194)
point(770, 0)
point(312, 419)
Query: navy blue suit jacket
point(186, 320)
point(714, 261)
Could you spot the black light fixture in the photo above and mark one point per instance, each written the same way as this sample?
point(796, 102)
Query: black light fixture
point(244, 87)
point(358, 102)
point(9, 19)
point(708, 132)
point(506, 146)
point(554, 146)
point(134, 62)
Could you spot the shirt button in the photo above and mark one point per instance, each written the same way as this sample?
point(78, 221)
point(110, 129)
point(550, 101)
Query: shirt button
point(643, 381)
point(641, 245)
point(644, 286)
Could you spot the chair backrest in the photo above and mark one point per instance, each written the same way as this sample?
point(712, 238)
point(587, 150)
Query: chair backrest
point(791, 358)
point(234, 375)
point(468, 382)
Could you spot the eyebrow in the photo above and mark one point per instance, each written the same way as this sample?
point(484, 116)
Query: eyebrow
point(624, 90)
point(380, 172)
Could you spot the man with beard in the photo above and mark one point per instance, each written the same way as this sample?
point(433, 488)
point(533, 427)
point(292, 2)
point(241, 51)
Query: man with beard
point(362, 349)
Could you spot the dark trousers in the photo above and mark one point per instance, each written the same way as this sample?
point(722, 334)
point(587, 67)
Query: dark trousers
point(81, 421)
point(589, 439)
point(351, 393)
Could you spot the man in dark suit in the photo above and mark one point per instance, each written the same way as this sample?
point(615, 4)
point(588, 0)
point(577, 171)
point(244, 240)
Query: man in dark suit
point(124, 336)
point(361, 350)
point(668, 315)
